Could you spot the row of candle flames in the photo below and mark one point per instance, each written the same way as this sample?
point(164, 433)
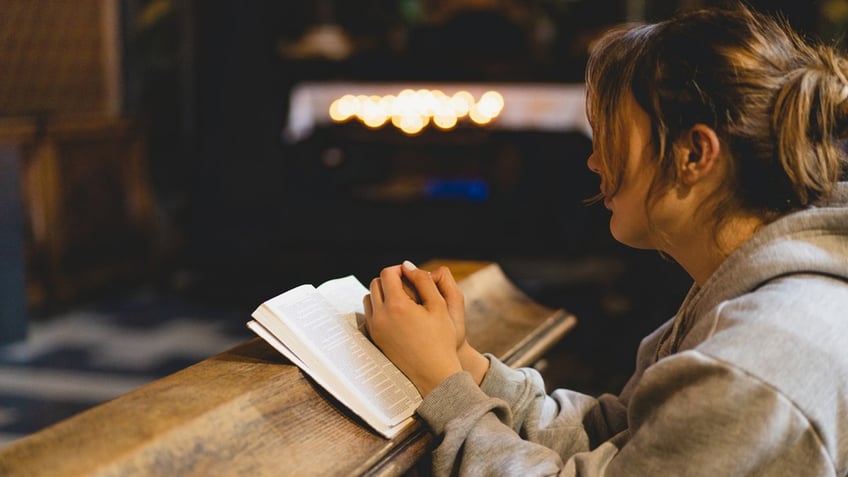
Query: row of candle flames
point(413, 110)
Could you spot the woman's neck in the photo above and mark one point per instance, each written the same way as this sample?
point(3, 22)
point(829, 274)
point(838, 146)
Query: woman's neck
point(704, 249)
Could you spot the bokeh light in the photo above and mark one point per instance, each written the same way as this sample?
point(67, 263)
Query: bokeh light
point(413, 110)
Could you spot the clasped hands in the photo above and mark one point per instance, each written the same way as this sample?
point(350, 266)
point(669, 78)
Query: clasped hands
point(417, 318)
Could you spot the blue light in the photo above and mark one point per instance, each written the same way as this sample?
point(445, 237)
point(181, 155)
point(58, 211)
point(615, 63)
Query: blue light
point(476, 190)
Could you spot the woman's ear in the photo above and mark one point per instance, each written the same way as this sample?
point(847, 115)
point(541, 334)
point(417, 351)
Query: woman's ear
point(700, 150)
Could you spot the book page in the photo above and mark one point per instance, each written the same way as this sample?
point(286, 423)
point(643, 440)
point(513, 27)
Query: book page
point(332, 387)
point(284, 350)
point(328, 343)
point(345, 294)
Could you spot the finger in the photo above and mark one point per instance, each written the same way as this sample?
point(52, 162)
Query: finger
point(391, 283)
point(362, 321)
point(436, 274)
point(423, 283)
point(449, 289)
point(376, 288)
point(410, 290)
point(445, 282)
point(366, 305)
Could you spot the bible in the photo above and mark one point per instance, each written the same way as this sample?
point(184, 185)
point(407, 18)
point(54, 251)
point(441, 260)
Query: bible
point(317, 329)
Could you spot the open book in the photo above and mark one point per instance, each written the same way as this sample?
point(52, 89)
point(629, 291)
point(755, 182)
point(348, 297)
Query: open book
point(316, 328)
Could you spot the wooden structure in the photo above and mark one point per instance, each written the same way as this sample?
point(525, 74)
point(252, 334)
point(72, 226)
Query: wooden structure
point(60, 58)
point(80, 166)
point(89, 214)
point(249, 411)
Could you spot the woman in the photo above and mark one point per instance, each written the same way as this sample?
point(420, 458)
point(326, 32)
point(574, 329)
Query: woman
point(718, 137)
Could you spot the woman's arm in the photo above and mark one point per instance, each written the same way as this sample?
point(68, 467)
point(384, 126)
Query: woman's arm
point(690, 415)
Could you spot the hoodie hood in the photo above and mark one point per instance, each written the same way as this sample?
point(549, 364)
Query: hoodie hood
point(813, 240)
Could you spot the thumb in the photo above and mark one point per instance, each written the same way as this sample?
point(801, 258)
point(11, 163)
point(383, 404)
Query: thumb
point(449, 289)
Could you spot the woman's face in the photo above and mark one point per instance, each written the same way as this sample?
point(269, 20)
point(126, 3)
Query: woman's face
point(629, 221)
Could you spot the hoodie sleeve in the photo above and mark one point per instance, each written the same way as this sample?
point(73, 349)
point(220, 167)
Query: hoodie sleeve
point(511, 414)
point(690, 415)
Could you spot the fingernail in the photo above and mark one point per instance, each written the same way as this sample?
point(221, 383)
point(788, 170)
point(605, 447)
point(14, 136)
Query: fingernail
point(409, 265)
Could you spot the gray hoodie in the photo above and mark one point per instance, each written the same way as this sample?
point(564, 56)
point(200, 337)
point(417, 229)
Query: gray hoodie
point(749, 378)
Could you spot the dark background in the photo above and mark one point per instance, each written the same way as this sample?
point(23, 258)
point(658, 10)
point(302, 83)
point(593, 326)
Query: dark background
point(242, 214)
point(212, 79)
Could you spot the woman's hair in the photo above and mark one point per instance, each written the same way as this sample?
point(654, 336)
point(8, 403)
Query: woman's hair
point(777, 103)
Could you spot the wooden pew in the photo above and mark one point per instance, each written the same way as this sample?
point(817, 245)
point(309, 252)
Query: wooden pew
point(87, 203)
point(249, 411)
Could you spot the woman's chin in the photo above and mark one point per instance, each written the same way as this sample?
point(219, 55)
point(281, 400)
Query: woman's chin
point(631, 239)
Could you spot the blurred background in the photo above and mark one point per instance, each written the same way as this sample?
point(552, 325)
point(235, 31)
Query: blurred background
point(166, 166)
